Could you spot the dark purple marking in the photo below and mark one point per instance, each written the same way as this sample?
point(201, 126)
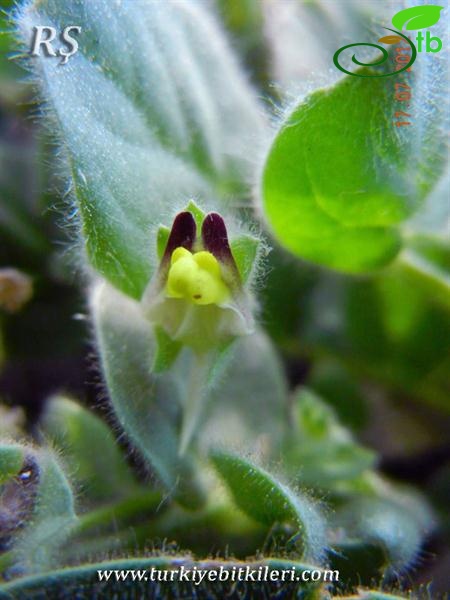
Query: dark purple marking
point(215, 238)
point(183, 233)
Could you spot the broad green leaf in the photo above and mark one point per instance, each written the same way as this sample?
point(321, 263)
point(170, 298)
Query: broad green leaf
point(340, 177)
point(434, 217)
point(417, 17)
point(147, 405)
point(103, 474)
point(304, 35)
point(265, 499)
point(144, 125)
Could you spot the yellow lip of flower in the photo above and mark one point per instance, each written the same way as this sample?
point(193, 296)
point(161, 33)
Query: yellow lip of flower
point(196, 277)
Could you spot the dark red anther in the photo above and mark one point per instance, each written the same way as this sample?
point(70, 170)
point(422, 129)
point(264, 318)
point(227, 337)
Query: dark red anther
point(215, 238)
point(183, 233)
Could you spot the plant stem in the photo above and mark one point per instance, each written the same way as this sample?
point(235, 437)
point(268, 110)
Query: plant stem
point(194, 400)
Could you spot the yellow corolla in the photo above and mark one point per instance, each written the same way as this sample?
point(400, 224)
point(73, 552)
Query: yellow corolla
point(196, 277)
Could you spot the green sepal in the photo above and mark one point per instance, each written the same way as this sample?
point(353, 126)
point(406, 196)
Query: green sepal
point(162, 235)
point(245, 251)
point(197, 213)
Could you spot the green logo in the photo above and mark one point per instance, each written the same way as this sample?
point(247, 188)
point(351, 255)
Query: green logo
point(412, 19)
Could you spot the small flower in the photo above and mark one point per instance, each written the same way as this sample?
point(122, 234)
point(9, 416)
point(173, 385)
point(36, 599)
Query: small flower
point(196, 277)
point(197, 296)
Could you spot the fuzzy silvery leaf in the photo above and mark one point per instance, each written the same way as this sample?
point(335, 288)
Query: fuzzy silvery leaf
point(75, 430)
point(248, 404)
point(147, 406)
point(148, 115)
point(397, 527)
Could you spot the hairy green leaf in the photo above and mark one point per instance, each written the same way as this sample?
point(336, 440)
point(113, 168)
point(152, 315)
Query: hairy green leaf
point(340, 177)
point(398, 525)
point(145, 125)
point(265, 499)
point(103, 474)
